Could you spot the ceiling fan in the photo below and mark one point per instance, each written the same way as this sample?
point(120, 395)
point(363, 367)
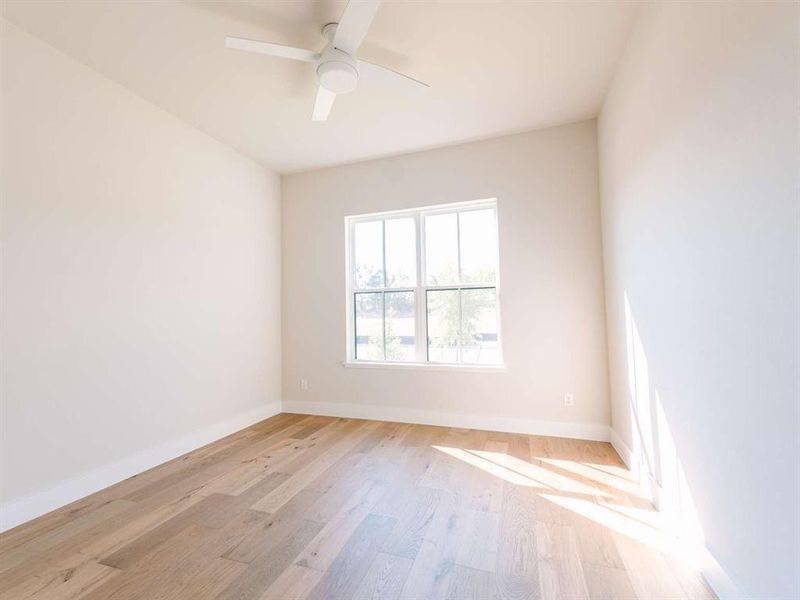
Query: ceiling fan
point(338, 70)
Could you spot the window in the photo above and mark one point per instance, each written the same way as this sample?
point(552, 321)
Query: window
point(423, 286)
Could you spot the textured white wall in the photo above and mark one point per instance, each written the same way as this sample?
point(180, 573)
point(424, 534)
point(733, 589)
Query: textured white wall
point(699, 154)
point(140, 274)
point(553, 333)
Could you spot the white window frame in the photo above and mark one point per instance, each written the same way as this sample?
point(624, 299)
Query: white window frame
point(420, 288)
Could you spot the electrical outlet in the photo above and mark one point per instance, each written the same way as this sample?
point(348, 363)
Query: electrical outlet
point(304, 384)
point(569, 400)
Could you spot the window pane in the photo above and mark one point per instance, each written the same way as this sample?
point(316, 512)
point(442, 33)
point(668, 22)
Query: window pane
point(401, 253)
point(369, 326)
point(478, 236)
point(479, 342)
point(443, 317)
point(368, 268)
point(441, 249)
point(400, 339)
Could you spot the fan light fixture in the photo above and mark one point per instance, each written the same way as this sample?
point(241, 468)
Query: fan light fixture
point(338, 71)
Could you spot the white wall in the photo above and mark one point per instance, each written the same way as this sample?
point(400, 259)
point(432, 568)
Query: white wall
point(699, 154)
point(140, 282)
point(550, 269)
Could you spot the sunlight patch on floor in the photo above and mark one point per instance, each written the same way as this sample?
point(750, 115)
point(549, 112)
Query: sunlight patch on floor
point(593, 472)
point(495, 468)
point(563, 482)
point(519, 472)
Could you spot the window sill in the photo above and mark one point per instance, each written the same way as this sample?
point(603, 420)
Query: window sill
point(406, 366)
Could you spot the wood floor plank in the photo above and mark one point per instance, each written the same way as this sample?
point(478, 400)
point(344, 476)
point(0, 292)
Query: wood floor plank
point(435, 562)
point(486, 488)
point(479, 541)
point(336, 492)
point(252, 470)
point(80, 537)
point(648, 571)
point(148, 576)
point(13, 538)
point(311, 427)
point(470, 584)
point(262, 540)
point(411, 468)
point(324, 548)
point(216, 577)
point(346, 573)
point(298, 481)
point(343, 469)
point(595, 543)
point(385, 578)
point(60, 534)
point(295, 583)
point(608, 583)
point(166, 570)
point(215, 511)
point(318, 443)
point(517, 558)
point(201, 473)
point(384, 433)
point(442, 466)
point(193, 468)
point(560, 569)
point(112, 534)
point(144, 544)
point(301, 506)
point(265, 569)
point(233, 506)
point(63, 583)
point(407, 536)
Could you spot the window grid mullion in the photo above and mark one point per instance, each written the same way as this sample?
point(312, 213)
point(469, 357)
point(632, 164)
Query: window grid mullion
point(421, 306)
point(460, 308)
point(378, 290)
point(383, 311)
point(468, 286)
point(460, 326)
point(383, 242)
point(385, 285)
point(433, 288)
point(458, 245)
point(355, 327)
point(427, 346)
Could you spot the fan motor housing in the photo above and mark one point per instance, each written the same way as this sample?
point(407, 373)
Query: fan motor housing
point(337, 71)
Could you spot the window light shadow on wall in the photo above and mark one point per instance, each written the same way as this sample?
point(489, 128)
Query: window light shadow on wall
point(654, 457)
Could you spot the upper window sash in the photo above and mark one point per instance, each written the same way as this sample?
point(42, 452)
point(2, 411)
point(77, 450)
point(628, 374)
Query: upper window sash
point(393, 241)
point(418, 215)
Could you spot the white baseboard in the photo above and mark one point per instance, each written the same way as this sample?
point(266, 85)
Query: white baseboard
point(720, 581)
point(581, 431)
point(24, 509)
point(621, 447)
point(714, 574)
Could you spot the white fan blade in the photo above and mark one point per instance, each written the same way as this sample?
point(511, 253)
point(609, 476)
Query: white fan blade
point(323, 104)
point(354, 24)
point(373, 73)
point(271, 49)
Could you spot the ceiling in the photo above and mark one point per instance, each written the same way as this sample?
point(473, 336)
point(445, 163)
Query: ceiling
point(494, 67)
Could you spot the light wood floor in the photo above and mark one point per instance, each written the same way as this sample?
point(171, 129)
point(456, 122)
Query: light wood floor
point(324, 508)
